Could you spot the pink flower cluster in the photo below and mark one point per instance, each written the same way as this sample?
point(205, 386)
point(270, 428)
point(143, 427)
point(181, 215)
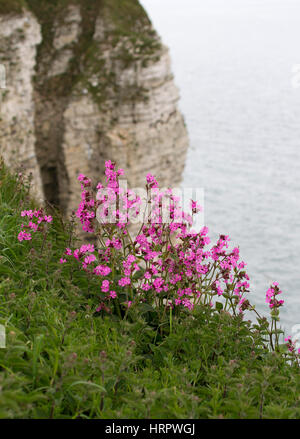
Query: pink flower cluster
point(167, 265)
point(291, 345)
point(271, 296)
point(94, 261)
point(195, 206)
point(103, 206)
point(86, 208)
point(168, 262)
point(36, 219)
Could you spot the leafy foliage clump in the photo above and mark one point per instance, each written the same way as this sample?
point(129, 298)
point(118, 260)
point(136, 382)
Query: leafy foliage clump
point(63, 359)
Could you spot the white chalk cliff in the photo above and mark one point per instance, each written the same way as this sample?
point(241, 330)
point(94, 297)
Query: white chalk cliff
point(87, 84)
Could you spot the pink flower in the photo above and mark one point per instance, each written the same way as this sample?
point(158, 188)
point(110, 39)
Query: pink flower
point(23, 236)
point(89, 259)
point(130, 259)
point(146, 287)
point(117, 243)
point(28, 213)
point(76, 253)
point(290, 344)
point(124, 281)
point(151, 181)
point(109, 164)
point(102, 270)
point(62, 261)
point(271, 296)
point(87, 248)
point(33, 226)
point(195, 206)
point(113, 294)
point(158, 283)
point(105, 286)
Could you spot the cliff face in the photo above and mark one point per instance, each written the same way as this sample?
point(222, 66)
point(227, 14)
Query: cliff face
point(86, 82)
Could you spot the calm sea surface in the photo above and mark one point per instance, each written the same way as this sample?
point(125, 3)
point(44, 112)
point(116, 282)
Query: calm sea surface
point(233, 61)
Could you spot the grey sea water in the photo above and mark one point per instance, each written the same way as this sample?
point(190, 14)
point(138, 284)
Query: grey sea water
point(233, 63)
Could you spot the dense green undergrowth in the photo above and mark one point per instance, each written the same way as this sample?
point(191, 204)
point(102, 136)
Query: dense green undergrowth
point(62, 360)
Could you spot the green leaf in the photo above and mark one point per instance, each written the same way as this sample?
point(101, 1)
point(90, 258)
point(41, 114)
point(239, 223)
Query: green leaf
point(145, 307)
point(87, 383)
point(219, 306)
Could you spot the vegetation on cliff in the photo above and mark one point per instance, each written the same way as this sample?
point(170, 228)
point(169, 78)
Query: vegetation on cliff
point(66, 359)
point(11, 6)
point(128, 32)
